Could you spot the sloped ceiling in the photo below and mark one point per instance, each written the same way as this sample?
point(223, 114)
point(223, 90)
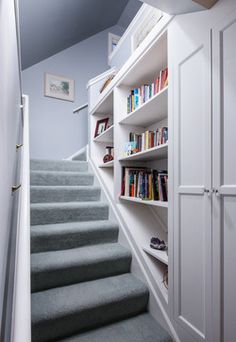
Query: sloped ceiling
point(50, 26)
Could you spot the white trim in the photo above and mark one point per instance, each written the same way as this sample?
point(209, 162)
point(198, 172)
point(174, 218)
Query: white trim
point(21, 328)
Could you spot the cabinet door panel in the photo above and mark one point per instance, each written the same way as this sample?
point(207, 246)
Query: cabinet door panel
point(192, 118)
point(192, 252)
point(224, 178)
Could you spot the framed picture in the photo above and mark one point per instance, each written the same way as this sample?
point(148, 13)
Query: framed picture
point(152, 17)
point(59, 87)
point(113, 40)
point(101, 126)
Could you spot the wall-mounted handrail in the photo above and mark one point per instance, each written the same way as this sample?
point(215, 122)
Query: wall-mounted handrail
point(78, 109)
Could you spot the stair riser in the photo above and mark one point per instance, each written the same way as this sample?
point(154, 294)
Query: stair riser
point(45, 195)
point(89, 318)
point(60, 215)
point(69, 240)
point(81, 166)
point(75, 274)
point(52, 179)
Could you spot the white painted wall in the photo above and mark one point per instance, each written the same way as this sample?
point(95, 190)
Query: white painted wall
point(55, 132)
point(9, 124)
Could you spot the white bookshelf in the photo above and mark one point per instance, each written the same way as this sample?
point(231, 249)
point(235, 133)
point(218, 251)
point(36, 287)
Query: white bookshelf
point(145, 202)
point(141, 216)
point(106, 136)
point(159, 255)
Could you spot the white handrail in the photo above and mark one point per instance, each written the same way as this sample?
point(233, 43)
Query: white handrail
point(21, 316)
point(78, 109)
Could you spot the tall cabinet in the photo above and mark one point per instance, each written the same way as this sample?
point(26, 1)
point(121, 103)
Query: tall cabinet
point(202, 218)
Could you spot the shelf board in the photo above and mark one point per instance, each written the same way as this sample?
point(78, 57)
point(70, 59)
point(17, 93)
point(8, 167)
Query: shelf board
point(159, 255)
point(109, 164)
point(105, 104)
point(146, 202)
point(106, 136)
point(157, 152)
point(149, 112)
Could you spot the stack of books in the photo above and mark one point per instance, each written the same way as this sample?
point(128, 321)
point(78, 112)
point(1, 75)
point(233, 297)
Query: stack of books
point(141, 142)
point(140, 95)
point(146, 184)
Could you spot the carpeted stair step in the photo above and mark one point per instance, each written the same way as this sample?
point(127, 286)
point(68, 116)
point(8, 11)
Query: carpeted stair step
point(63, 236)
point(58, 165)
point(61, 268)
point(46, 213)
point(60, 178)
point(64, 311)
point(46, 194)
point(141, 328)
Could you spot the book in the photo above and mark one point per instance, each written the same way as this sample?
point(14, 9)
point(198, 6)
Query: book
point(145, 92)
point(144, 183)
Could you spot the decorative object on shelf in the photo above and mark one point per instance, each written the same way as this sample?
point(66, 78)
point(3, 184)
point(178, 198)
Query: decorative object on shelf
point(144, 183)
point(101, 126)
point(59, 87)
point(148, 139)
point(107, 82)
point(165, 278)
point(139, 96)
point(109, 156)
point(147, 25)
point(158, 244)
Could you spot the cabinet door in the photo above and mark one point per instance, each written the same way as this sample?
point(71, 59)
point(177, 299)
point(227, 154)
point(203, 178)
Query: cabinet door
point(190, 153)
point(224, 178)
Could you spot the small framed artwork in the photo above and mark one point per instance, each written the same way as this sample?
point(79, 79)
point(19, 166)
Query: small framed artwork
point(101, 126)
point(113, 40)
point(59, 87)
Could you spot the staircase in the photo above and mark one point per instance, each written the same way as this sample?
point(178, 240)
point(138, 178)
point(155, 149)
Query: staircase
point(82, 288)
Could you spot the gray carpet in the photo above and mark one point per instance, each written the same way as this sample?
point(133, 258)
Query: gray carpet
point(82, 288)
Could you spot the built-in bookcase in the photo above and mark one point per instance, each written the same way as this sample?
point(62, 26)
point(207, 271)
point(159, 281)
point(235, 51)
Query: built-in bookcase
point(144, 219)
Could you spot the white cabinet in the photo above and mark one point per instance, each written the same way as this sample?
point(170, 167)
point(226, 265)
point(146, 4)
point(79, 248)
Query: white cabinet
point(202, 214)
point(191, 155)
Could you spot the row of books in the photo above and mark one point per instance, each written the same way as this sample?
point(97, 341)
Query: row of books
point(140, 95)
point(146, 184)
point(148, 139)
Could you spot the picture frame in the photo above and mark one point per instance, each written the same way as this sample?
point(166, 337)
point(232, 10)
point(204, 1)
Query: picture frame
point(101, 127)
point(113, 40)
point(147, 24)
point(59, 87)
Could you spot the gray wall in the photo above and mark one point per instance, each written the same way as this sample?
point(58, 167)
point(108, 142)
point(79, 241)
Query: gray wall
point(9, 125)
point(55, 132)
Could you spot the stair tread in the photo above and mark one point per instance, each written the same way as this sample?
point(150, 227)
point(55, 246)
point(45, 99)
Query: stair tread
point(141, 328)
point(64, 193)
point(50, 237)
point(61, 173)
point(59, 268)
point(72, 227)
point(64, 311)
point(67, 258)
point(66, 205)
point(60, 165)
